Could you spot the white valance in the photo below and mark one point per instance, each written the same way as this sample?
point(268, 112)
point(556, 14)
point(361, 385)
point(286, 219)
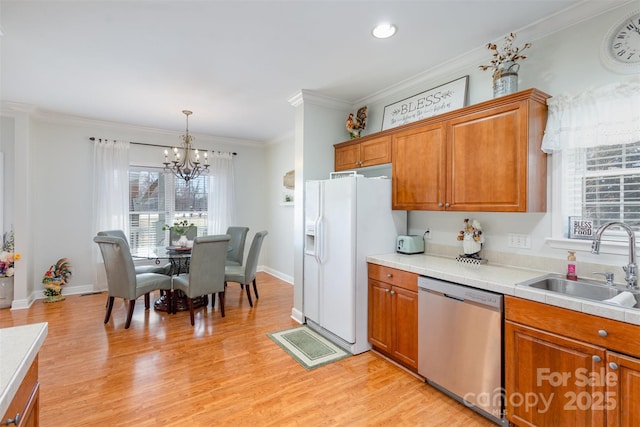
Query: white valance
point(606, 115)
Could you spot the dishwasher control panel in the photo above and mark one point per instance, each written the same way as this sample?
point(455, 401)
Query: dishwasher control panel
point(460, 292)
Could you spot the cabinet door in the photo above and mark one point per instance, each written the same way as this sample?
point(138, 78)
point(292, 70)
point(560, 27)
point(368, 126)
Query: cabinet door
point(548, 379)
point(418, 163)
point(347, 157)
point(488, 160)
point(380, 315)
point(624, 390)
point(405, 330)
point(375, 151)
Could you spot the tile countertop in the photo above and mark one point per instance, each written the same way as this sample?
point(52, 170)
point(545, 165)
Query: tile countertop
point(19, 347)
point(501, 279)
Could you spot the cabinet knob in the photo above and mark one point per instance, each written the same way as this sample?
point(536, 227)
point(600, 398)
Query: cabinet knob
point(596, 358)
point(393, 292)
point(386, 290)
point(613, 366)
point(15, 420)
point(389, 275)
point(440, 205)
point(602, 333)
point(446, 205)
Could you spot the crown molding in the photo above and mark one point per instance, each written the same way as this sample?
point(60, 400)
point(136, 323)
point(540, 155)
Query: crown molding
point(11, 108)
point(315, 98)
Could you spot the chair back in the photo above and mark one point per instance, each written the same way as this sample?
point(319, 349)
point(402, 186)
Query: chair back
point(114, 233)
point(121, 275)
point(254, 254)
point(238, 235)
point(206, 269)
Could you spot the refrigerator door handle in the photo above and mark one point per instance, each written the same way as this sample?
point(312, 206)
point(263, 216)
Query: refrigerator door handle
point(320, 241)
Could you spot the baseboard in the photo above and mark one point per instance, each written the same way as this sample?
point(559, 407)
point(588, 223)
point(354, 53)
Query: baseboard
point(19, 304)
point(278, 274)
point(297, 315)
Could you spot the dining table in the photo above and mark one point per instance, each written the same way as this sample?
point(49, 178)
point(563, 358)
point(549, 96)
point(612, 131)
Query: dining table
point(178, 258)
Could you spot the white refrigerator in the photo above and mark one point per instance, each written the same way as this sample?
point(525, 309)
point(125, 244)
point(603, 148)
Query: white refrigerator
point(346, 219)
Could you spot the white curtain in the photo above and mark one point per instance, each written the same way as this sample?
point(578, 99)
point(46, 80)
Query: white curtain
point(221, 193)
point(606, 115)
point(111, 185)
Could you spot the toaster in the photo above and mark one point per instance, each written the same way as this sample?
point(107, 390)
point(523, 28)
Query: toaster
point(410, 245)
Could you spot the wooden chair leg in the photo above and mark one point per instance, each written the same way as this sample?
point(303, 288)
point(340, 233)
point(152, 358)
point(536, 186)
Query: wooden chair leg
point(248, 288)
point(147, 301)
point(213, 301)
point(132, 304)
point(191, 311)
point(255, 288)
point(169, 301)
point(109, 308)
point(221, 297)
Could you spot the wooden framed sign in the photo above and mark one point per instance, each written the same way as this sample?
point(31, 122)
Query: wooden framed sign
point(450, 96)
point(580, 228)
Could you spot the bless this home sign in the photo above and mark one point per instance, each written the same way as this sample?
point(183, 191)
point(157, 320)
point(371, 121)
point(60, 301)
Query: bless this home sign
point(450, 96)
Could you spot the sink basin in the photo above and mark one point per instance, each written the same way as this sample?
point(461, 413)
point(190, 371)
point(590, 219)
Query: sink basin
point(581, 288)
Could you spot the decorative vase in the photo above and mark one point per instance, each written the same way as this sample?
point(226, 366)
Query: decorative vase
point(182, 241)
point(6, 291)
point(505, 79)
point(53, 291)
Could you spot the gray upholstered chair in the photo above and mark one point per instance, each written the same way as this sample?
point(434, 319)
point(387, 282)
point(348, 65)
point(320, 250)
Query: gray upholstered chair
point(246, 274)
point(122, 280)
point(235, 254)
point(160, 269)
point(206, 271)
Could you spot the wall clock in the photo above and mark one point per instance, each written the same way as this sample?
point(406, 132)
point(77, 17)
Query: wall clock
point(620, 50)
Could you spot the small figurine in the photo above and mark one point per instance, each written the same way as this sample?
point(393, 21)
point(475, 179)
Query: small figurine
point(357, 124)
point(471, 237)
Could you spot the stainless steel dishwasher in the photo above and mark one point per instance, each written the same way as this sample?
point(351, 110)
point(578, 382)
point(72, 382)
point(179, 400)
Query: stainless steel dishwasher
point(460, 344)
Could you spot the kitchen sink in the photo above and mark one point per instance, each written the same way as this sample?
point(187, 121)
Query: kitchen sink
point(581, 288)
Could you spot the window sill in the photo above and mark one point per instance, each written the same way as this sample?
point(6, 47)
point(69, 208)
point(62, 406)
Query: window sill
point(606, 246)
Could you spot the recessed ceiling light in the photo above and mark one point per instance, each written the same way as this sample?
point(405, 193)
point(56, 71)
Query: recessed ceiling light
point(383, 31)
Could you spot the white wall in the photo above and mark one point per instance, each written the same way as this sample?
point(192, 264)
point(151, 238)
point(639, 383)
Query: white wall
point(279, 243)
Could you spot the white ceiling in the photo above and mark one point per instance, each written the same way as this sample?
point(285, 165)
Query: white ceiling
point(234, 63)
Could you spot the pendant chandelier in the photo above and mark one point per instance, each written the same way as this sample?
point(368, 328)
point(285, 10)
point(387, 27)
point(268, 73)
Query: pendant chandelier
point(186, 165)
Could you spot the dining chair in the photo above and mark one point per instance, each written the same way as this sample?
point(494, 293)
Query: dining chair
point(122, 280)
point(206, 271)
point(246, 274)
point(160, 269)
point(235, 254)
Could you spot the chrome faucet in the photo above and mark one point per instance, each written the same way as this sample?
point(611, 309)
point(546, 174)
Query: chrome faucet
point(631, 269)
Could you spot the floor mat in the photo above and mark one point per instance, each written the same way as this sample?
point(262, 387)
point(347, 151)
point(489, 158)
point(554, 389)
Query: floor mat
point(307, 347)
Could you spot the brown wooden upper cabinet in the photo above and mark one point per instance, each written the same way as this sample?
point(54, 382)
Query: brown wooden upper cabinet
point(362, 152)
point(481, 158)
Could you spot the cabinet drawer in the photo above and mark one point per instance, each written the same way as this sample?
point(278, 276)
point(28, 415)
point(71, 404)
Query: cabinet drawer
point(400, 278)
point(23, 397)
point(618, 336)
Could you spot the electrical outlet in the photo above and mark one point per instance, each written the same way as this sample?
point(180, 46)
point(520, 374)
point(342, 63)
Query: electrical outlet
point(427, 234)
point(522, 241)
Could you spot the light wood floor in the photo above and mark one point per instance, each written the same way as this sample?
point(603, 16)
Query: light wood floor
point(223, 371)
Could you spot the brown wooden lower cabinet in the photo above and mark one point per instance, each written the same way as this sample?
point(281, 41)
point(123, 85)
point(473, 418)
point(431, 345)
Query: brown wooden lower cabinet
point(24, 409)
point(559, 378)
point(393, 314)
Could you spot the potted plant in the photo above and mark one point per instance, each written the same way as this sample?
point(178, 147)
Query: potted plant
point(8, 257)
point(504, 65)
point(55, 278)
point(180, 229)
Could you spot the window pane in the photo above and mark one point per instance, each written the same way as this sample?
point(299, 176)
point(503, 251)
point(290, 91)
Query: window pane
point(147, 207)
point(609, 179)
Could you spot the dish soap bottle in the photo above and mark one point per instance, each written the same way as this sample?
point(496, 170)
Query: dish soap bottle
point(571, 266)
